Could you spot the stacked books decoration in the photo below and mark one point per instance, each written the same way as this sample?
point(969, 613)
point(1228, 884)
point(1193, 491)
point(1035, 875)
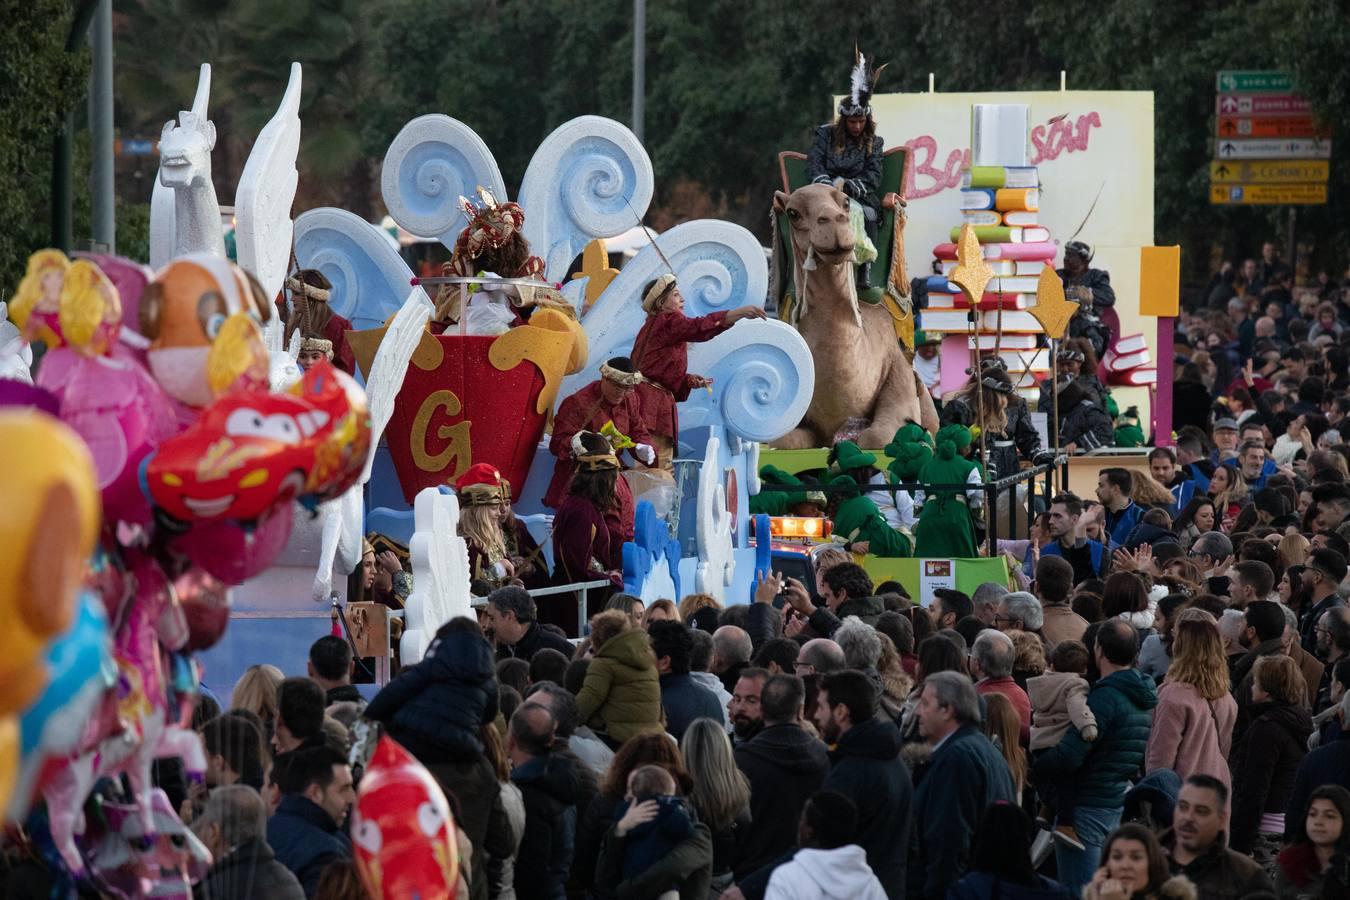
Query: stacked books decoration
point(1000, 200)
point(1127, 363)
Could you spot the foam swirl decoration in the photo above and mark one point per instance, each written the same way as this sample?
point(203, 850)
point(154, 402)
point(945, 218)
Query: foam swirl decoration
point(433, 162)
point(580, 185)
point(719, 266)
point(370, 280)
point(763, 378)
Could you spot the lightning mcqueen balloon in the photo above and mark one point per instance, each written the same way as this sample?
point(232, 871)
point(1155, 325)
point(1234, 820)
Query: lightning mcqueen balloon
point(253, 450)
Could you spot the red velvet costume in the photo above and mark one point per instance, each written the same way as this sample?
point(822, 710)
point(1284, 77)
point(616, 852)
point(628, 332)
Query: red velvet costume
point(334, 329)
point(661, 354)
point(585, 548)
point(586, 410)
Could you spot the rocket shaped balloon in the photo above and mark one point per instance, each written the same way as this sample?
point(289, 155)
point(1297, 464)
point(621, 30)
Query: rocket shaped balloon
point(402, 830)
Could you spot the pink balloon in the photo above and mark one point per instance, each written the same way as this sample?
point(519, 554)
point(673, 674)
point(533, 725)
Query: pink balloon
point(205, 605)
point(121, 413)
point(233, 553)
point(130, 279)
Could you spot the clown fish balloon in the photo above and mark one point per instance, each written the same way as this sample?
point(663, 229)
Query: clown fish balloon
point(402, 830)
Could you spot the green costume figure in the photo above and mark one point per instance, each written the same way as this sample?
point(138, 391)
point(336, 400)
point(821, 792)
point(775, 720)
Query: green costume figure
point(946, 528)
point(803, 502)
point(857, 519)
point(1129, 433)
point(910, 450)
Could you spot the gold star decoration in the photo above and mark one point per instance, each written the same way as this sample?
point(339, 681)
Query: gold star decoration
point(1053, 310)
point(972, 274)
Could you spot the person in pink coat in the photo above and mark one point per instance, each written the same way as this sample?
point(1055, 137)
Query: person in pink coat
point(1193, 723)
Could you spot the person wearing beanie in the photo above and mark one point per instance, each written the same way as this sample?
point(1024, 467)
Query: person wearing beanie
point(661, 354)
point(799, 502)
point(946, 525)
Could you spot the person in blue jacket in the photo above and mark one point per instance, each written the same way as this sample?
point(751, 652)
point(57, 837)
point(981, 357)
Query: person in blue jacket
point(1122, 513)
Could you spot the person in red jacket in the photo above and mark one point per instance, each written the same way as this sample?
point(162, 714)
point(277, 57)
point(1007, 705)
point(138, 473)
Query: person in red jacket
point(610, 399)
point(661, 353)
point(586, 546)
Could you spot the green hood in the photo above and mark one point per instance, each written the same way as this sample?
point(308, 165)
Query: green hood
point(631, 649)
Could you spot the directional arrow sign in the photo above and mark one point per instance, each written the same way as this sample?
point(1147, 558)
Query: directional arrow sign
point(1257, 148)
point(1228, 103)
point(1269, 171)
point(1254, 82)
point(1262, 105)
point(1269, 126)
point(1268, 194)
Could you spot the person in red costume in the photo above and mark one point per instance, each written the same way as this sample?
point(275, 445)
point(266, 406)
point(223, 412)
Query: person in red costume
point(610, 399)
point(481, 492)
point(586, 546)
point(661, 354)
point(308, 311)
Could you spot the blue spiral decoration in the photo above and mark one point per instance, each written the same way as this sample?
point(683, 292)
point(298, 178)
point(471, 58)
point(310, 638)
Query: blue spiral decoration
point(763, 379)
point(433, 162)
point(370, 280)
point(590, 178)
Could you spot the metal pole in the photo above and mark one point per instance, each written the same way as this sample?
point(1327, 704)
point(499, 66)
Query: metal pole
point(62, 231)
point(639, 64)
point(104, 230)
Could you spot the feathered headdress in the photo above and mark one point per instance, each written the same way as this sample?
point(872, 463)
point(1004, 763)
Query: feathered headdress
point(862, 84)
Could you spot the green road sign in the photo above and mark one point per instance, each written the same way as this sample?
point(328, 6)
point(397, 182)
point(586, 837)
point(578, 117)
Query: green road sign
point(1254, 82)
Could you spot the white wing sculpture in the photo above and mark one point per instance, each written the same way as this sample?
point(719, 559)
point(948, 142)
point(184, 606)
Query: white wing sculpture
point(262, 205)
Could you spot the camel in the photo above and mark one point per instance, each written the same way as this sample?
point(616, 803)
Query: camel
point(861, 370)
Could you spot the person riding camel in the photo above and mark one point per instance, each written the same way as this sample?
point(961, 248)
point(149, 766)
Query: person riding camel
point(661, 354)
point(1096, 318)
point(847, 154)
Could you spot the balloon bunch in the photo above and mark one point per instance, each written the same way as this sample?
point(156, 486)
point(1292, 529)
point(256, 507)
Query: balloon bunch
point(143, 474)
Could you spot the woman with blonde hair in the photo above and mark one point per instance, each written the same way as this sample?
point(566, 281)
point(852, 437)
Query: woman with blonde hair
point(1230, 492)
point(721, 795)
point(1003, 726)
point(481, 492)
point(1292, 550)
point(1193, 722)
point(256, 691)
point(1148, 492)
point(662, 610)
point(692, 603)
point(1030, 659)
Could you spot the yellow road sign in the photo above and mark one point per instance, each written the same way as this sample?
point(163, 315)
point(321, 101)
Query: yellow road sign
point(1269, 171)
point(1268, 194)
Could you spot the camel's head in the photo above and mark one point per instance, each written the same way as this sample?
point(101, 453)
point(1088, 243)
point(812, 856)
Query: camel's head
point(185, 150)
point(818, 214)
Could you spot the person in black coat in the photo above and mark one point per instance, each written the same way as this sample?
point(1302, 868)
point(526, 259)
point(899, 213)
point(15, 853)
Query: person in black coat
point(784, 765)
point(1083, 424)
point(865, 766)
point(550, 788)
point(306, 830)
point(233, 826)
point(682, 698)
point(513, 622)
point(1265, 760)
point(435, 707)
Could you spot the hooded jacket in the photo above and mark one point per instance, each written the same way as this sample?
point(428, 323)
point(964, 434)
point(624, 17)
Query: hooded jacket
point(1122, 703)
point(1058, 703)
point(621, 696)
point(550, 788)
point(435, 707)
point(838, 874)
point(784, 766)
point(1265, 764)
point(865, 767)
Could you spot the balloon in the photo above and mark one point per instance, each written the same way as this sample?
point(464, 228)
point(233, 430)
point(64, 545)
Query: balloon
point(201, 315)
point(82, 669)
point(122, 415)
point(253, 451)
point(130, 279)
point(49, 521)
point(37, 303)
point(130, 860)
point(232, 552)
point(402, 831)
point(205, 606)
point(16, 393)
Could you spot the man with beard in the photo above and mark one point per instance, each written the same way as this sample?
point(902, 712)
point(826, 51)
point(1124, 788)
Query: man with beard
point(744, 710)
point(865, 767)
point(1333, 647)
point(1198, 849)
point(1084, 555)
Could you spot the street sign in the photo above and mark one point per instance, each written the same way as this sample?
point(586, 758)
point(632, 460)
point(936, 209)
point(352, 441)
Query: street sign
point(1269, 171)
point(1262, 105)
point(1269, 127)
point(134, 147)
point(1267, 194)
point(1269, 148)
point(1254, 82)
